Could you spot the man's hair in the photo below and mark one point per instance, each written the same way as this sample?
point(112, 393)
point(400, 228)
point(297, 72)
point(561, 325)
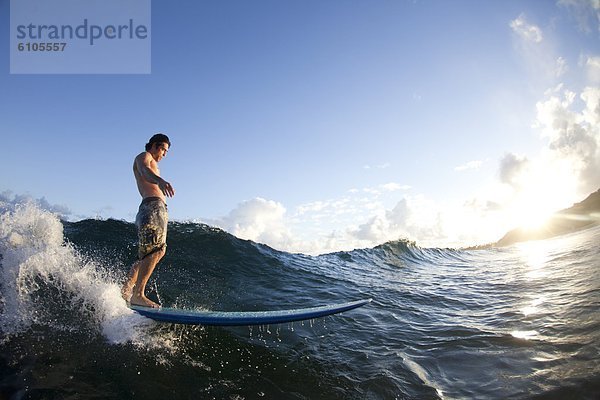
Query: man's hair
point(158, 138)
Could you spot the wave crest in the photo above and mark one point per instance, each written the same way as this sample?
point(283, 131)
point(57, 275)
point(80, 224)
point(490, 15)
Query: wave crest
point(42, 276)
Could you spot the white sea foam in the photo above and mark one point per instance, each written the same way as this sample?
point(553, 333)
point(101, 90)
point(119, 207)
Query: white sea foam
point(35, 255)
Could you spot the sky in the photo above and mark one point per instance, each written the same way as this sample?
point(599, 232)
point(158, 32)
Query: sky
point(318, 126)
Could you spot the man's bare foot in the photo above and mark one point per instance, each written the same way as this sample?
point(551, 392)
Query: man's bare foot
point(127, 291)
point(142, 301)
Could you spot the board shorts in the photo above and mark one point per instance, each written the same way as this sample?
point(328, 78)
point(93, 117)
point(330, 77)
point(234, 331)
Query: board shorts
point(151, 221)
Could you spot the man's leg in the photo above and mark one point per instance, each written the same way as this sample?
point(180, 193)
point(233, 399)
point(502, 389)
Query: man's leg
point(140, 276)
point(127, 289)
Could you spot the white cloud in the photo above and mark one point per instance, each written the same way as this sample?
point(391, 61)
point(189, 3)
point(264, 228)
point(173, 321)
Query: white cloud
point(537, 54)
point(592, 67)
point(564, 171)
point(512, 167)
point(431, 223)
point(377, 191)
point(314, 206)
point(525, 30)
point(372, 191)
point(561, 67)
point(574, 137)
point(258, 220)
point(475, 164)
point(585, 12)
point(591, 113)
point(324, 209)
point(379, 166)
point(380, 228)
point(393, 186)
point(411, 217)
point(319, 226)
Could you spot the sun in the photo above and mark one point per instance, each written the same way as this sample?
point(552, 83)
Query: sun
point(531, 215)
point(542, 192)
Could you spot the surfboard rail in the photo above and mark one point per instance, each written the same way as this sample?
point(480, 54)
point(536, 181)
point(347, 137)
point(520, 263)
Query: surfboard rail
point(244, 318)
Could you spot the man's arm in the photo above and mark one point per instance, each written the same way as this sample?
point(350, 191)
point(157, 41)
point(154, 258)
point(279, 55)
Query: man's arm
point(143, 163)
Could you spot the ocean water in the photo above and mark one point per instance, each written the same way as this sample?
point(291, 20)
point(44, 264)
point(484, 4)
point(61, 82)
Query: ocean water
point(520, 322)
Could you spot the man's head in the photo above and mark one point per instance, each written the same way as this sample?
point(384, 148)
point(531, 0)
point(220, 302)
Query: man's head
point(158, 145)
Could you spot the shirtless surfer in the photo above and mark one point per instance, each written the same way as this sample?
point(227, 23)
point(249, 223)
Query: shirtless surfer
point(151, 219)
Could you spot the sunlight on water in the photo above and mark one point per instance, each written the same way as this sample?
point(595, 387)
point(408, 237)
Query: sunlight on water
point(526, 335)
point(533, 306)
point(535, 255)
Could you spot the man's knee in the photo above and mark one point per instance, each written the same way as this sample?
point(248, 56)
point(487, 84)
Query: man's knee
point(154, 256)
point(161, 252)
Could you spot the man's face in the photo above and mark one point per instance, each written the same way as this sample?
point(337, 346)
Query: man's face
point(159, 151)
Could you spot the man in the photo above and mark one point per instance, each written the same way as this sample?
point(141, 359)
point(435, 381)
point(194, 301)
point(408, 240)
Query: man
point(151, 219)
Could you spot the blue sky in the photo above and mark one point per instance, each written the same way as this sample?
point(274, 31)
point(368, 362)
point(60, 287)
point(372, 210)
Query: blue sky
point(324, 125)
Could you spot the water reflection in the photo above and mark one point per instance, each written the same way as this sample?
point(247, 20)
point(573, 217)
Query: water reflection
point(533, 306)
point(526, 335)
point(533, 259)
point(535, 256)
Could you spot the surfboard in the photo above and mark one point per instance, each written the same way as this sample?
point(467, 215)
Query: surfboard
point(243, 318)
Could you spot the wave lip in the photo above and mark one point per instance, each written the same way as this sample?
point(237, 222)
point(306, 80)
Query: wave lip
point(45, 281)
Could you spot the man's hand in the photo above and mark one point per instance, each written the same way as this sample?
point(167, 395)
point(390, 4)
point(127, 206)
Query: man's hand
point(166, 188)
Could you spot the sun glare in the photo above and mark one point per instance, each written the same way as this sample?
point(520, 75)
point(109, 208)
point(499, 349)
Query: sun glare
point(544, 191)
point(531, 216)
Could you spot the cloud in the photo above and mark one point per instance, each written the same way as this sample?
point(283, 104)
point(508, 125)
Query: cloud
point(512, 166)
point(259, 220)
point(592, 68)
point(325, 209)
point(525, 30)
point(314, 206)
point(322, 226)
point(413, 217)
point(475, 164)
point(537, 54)
point(380, 227)
point(573, 136)
point(565, 170)
point(393, 186)
point(561, 67)
point(585, 12)
point(379, 166)
point(378, 190)
point(591, 113)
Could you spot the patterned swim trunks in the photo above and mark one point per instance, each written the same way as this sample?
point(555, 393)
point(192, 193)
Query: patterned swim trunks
point(151, 221)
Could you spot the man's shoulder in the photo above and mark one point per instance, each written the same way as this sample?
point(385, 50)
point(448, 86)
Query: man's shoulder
point(143, 155)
